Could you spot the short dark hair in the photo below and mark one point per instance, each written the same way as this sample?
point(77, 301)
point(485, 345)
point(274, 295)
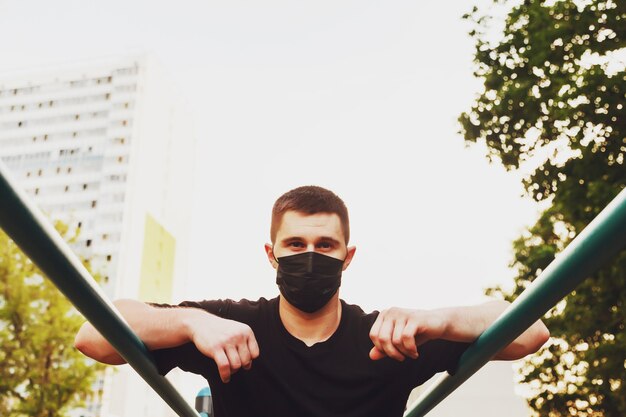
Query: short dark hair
point(310, 199)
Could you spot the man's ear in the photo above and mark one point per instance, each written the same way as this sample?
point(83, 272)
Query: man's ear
point(269, 251)
point(349, 256)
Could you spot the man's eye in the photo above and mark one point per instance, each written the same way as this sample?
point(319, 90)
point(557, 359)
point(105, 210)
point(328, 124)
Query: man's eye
point(324, 245)
point(296, 244)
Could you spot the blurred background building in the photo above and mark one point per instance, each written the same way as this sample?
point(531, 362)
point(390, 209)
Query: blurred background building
point(105, 147)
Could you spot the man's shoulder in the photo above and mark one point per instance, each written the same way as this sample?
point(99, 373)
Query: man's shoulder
point(356, 312)
point(245, 304)
point(228, 307)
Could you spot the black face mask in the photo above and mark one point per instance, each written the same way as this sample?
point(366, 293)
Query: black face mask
point(308, 280)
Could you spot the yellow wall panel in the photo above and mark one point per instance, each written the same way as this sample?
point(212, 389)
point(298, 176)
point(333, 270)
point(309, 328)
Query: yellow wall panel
point(157, 263)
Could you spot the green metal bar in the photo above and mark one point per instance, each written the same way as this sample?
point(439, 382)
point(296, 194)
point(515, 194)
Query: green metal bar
point(36, 236)
point(598, 243)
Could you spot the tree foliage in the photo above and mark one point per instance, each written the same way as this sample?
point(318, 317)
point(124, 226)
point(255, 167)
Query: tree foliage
point(553, 104)
point(41, 373)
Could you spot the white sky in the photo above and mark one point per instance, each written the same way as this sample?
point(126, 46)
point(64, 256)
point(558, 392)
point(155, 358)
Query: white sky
point(361, 97)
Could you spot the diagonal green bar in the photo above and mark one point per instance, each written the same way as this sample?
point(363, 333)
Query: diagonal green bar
point(36, 236)
point(598, 243)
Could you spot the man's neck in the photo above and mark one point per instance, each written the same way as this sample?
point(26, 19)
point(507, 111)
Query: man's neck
point(311, 328)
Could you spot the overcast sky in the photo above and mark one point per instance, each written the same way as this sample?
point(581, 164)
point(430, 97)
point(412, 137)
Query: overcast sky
point(361, 97)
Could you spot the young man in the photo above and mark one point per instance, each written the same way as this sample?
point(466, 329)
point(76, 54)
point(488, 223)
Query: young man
point(306, 352)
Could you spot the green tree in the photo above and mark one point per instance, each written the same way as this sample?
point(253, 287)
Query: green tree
point(41, 373)
point(553, 105)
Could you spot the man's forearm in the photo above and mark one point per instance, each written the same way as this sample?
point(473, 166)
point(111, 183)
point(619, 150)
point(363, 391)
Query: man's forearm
point(465, 324)
point(157, 327)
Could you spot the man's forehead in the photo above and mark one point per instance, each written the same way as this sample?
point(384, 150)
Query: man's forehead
point(294, 222)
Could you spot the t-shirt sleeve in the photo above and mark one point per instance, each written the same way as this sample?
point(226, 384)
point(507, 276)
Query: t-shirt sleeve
point(436, 356)
point(187, 357)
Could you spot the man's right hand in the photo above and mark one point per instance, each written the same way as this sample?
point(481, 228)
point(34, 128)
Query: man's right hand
point(231, 344)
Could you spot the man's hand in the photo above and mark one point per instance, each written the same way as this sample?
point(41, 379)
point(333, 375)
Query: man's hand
point(231, 344)
point(397, 332)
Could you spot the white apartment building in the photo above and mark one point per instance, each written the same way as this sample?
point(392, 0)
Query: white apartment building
point(105, 147)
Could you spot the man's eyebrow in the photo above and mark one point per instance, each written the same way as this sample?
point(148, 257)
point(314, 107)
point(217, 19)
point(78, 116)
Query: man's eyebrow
point(329, 239)
point(291, 239)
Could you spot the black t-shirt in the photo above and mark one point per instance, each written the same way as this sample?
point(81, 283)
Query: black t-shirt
point(289, 379)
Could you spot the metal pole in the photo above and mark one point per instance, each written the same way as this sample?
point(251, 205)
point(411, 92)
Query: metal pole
point(600, 241)
point(36, 236)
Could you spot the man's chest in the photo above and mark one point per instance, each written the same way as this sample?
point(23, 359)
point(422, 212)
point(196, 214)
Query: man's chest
point(326, 381)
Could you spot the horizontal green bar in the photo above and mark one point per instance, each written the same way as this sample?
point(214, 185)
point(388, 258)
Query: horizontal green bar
point(598, 243)
point(36, 236)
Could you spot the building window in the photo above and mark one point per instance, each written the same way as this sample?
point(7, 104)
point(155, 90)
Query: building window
point(67, 188)
point(93, 204)
point(109, 258)
point(88, 242)
point(36, 191)
point(84, 186)
point(39, 172)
